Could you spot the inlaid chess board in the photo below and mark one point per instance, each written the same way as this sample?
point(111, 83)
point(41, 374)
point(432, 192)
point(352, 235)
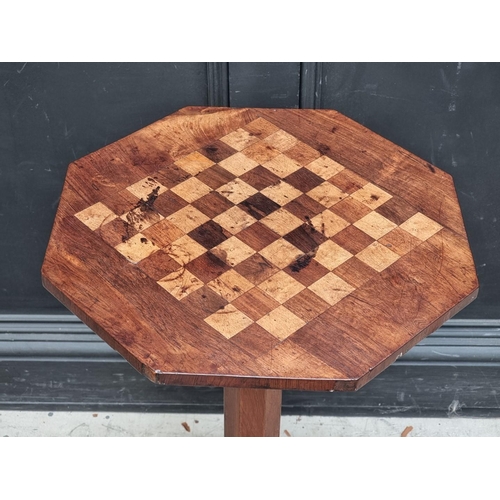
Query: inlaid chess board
point(275, 245)
point(277, 230)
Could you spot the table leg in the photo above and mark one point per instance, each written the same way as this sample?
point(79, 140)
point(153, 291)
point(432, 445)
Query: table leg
point(252, 412)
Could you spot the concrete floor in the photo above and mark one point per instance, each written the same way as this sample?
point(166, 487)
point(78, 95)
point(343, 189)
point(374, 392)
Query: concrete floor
point(79, 424)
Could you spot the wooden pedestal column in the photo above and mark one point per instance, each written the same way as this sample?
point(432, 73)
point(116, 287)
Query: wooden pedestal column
point(252, 412)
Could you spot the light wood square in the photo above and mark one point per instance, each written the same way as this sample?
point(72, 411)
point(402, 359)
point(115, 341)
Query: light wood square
point(234, 220)
point(377, 256)
point(325, 167)
point(96, 216)
point(144, 187)
point(137, 248)
point(375, 225)
point(282, 193)
point(281, 323)
point(282, 166)
point(184, 250)
point(331, 288)
point(331, 255)
point(327, 194)
point(230, 285)
point(281, 140)
point(261, 152)
point(239, 139)
point(180, 283)
point(187, 218)
point(281, 287)
point(229, 321)
point(238, 164)
point(191, 189)
point(233, 251)
point(281, 253)
point(281, 221)
point(329, 223)
point(371, 196)
point(236, 191)
point(421, 226)
point(194, 163)
point(142, 219)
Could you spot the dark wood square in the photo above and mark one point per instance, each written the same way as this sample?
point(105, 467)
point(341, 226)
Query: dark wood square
point(306, 305)
point(207, 267)
point(215, 176)
point(355, 272)
point(158, 265)
point(117, 231)
point(121, 202)
point(396, 210)
point(255, 303)
point(171, 176)
point(218, 151)
point(304, 207)
point(258, 206)
point(255, 340)
point(210, 234)
point(258, 236)
point(204, 302)
point(168, 203)
point(350, 209)
point(352, 239)
point(304, 180)
point(348, 181)
point(400, 241)
point(309, 272)
point(260, 178)
point(212, 204)
point(302, 153)
point(163, 233)
point(256, 269)
point(305, 238)
point(261, 128)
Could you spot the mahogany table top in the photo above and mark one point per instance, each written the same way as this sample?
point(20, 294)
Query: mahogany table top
point(273, 248)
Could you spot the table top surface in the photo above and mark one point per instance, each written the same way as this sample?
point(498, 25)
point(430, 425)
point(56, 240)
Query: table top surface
point(290, 249)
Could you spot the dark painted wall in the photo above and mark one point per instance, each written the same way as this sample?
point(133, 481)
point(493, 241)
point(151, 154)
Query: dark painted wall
point(51, 114)
point(448, 114)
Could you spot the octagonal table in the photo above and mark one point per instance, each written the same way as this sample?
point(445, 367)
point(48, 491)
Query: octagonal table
point(259, 250)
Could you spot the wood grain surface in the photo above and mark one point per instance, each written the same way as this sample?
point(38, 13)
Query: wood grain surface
point(259, 248)
point(252, 412)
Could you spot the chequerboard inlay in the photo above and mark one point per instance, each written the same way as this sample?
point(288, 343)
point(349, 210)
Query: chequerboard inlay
point(264, 221)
